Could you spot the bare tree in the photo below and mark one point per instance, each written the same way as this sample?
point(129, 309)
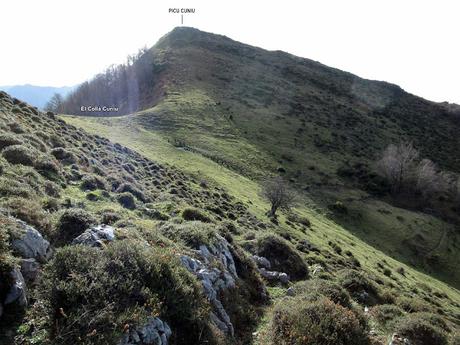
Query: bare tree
point(427, 180)
point(397, 164)
point(278, 193)
point(55, 103)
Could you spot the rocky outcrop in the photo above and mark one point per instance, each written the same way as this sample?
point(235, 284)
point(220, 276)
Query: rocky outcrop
point(17, 293)
point(154, 331)
point(96, 236)
point(214, 279)
point(30, 244)
point(30, 269)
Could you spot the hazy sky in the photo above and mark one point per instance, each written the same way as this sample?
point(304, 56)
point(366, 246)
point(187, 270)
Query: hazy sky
point(415, 44)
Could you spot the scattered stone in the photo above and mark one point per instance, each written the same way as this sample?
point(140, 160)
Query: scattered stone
point(31, 244)
point(154, 331)
point(96, 236)
point(274, 276)
point(262, 261)
point(18, 292)
point(396, 339)
point(290, 292)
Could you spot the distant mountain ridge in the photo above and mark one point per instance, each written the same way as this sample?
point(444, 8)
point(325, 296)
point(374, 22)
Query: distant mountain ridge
point(35, 95)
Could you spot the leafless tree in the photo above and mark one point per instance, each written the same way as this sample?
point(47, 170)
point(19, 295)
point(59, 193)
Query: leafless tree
point(397, 164)
point(55, 103)
point(278, 193)
point(427, 179)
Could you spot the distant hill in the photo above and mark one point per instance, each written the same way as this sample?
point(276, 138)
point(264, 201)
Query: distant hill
point(35, 95)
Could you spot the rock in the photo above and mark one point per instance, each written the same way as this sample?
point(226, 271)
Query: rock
point(215, 279)
point(315, 269)
point(18, 292)
point(274, 275)
point(96, 236)
point(262, 261)
point(154, 331)
point(290, 292)
point(398, 340)
point(30, 269)
point(31, 244)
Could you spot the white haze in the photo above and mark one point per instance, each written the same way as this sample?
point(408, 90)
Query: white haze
point(410, 43)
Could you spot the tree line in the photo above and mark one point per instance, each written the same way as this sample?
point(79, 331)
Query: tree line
point(127, 86)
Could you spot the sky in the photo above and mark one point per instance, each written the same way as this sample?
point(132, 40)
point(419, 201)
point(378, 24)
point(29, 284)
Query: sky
point(414, 44)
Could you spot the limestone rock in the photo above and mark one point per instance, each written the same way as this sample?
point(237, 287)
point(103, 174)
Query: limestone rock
point(96, 236)
point(214, 279)
point(154, 331)
point(262, 261)
point(30, 269)
point(18, 291)
point(31, 244)
point(274, 276)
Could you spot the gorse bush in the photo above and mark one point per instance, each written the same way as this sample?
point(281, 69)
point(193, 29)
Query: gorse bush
point(420, 331)
point(18, 154)
point(282, 256)
point(329, 289)
point(92, 296)
point(72, 223)
point(195, 214)
point(192, 234)
point(384, 314)
point(127, 200)
point(320, 322)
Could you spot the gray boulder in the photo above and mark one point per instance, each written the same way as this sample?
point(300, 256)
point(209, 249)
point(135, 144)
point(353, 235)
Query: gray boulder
point(154, 331)
point(262, 261)
point(30, 244)
point(96, 236)
point(274, 276)
point(18, 291)
point(30, 269)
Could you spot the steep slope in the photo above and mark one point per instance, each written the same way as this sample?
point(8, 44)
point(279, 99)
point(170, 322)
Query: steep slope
point(152, 273)
point(258, 112)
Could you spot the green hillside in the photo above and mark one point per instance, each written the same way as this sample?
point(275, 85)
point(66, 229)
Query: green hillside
point(256, 112)
point(152, 227)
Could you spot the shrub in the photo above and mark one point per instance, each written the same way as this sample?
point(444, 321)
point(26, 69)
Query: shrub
point(63, 155)
point(29, 211)
point(48, 168)
point(386, 313)
point(420, 332)
point(321, 322)
point(129, 188)
point(413, 305)
point(126, 200)
point(110, 217)
point(72, 223)
point(7, 139)
point(192, 234)
point(115, 289)
point(326, 288)
point(282, 256)
point(18, 154)
point(12, 187)
point(338, 207)
point(195, 214)
point(92, 182)
point(358, 285)
point(52, 189)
